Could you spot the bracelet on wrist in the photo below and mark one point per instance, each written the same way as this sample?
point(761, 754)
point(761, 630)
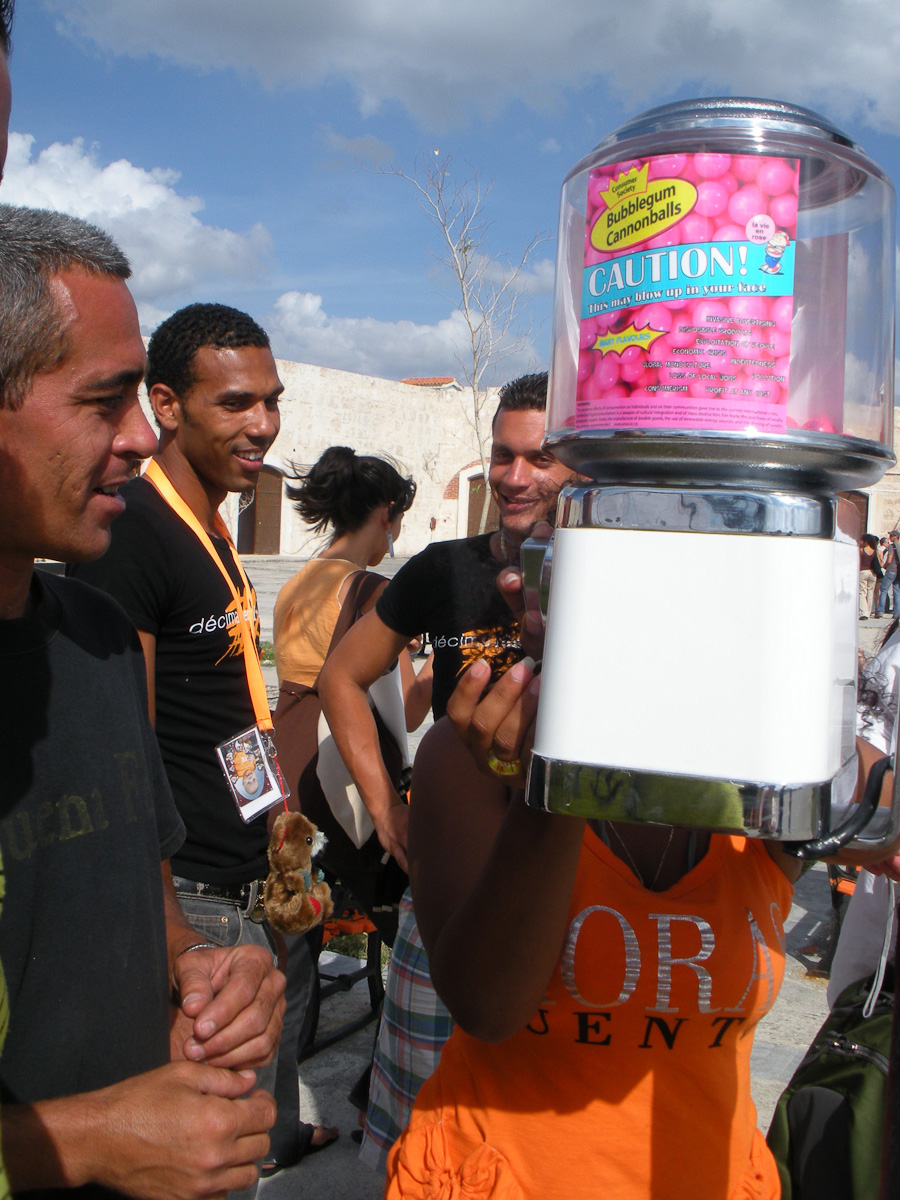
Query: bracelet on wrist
point(197, 946)
point(187, 950)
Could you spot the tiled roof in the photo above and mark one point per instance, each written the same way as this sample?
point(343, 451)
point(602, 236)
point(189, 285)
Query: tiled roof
point(431, 381)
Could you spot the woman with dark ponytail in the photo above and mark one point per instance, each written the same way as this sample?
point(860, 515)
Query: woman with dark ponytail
point(361, 499)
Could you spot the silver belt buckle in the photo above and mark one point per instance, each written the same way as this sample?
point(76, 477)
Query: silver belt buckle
point(255, 907)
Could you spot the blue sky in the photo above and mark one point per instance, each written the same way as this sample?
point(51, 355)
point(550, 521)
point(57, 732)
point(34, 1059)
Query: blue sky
point(221, 140)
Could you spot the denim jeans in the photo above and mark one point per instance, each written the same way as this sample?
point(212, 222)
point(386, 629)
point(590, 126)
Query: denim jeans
point(889, 585)
point(223, 923)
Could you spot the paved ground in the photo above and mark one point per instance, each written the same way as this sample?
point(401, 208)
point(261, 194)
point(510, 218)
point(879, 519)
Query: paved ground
point(781, 1039)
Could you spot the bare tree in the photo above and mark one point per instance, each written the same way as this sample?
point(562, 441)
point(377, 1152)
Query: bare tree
point(487, 289)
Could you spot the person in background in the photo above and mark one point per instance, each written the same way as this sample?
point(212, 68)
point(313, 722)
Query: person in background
point(870, 572)
point(361, 499)
point(887, 597)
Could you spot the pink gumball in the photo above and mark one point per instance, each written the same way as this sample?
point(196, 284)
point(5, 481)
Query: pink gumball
point(745, 166)
point(592, 257)
point(659, 351)
point(633, 366)
point(669, 237)
point(614, 393)
point(790, 423)
point(619, 319)
point(585, 366)
point(696, 228)
point(783, 210)
point(603, 322)
point(779, 341)
point(746, 203)
point(712, 198)
point(766, 389)
point(710, 313)
point(782, 368)
point(587, 335)
point(606, 372)
point(775, 177)
point(729, 183)
point(664, 166)
point(597, 186)
point(782, 313)
point(744, 307)
point(654, 316)
point(708, 386)
point(690, 173)
point(728, 232)
point(590, 391)
point(682, 332)
point(711, 166)
point(820, 424)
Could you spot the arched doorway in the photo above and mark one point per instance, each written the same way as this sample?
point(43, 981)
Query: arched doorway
point(259, 524)
point(860, 501)
point(476, 507)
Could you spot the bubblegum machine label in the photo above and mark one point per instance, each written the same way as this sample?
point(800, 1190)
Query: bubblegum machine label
point(687, 294)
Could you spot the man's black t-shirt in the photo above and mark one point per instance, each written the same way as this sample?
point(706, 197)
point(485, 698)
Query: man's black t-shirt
point(449, 590)
point(160, 573)
point(85, 818)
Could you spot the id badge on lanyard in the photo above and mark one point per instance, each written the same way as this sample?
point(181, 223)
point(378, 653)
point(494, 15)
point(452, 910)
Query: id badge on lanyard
point(248, 759)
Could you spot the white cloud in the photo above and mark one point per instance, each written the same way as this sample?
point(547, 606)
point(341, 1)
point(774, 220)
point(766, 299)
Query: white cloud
point(302, 331)
point(176, 259)
point(443, 61)
point(173, 254)
point(366, 149)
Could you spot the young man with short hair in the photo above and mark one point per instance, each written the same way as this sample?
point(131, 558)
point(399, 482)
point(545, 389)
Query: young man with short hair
point(107, 980)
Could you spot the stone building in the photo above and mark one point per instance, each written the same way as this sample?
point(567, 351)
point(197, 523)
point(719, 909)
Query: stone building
point(880, 505)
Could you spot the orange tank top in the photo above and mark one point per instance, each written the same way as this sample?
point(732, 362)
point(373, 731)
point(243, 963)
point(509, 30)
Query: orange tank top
point(632, 1080)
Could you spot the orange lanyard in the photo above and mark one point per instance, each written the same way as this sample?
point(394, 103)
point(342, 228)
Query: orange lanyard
point(155, 475)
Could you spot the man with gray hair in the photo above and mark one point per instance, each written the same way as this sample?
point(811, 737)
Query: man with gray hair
point(128, 1062)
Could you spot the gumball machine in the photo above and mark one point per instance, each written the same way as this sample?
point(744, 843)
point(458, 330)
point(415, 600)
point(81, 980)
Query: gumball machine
point(722, 368)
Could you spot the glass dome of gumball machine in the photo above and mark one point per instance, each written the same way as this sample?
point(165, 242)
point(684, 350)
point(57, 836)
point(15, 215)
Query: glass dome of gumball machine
point(722, 367)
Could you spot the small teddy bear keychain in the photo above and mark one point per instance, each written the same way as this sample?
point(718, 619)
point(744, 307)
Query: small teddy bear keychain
point(297, 896)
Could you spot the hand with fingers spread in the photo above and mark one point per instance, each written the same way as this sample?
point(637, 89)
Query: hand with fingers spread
point(231, 1006)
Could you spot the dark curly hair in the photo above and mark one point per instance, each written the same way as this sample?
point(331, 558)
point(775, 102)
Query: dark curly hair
point(873, 690)
point(528, 393)
point(170, 354)
point(343, 488)
point(7, 12)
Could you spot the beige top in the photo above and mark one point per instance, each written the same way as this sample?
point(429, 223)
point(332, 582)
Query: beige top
point(306, 612)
